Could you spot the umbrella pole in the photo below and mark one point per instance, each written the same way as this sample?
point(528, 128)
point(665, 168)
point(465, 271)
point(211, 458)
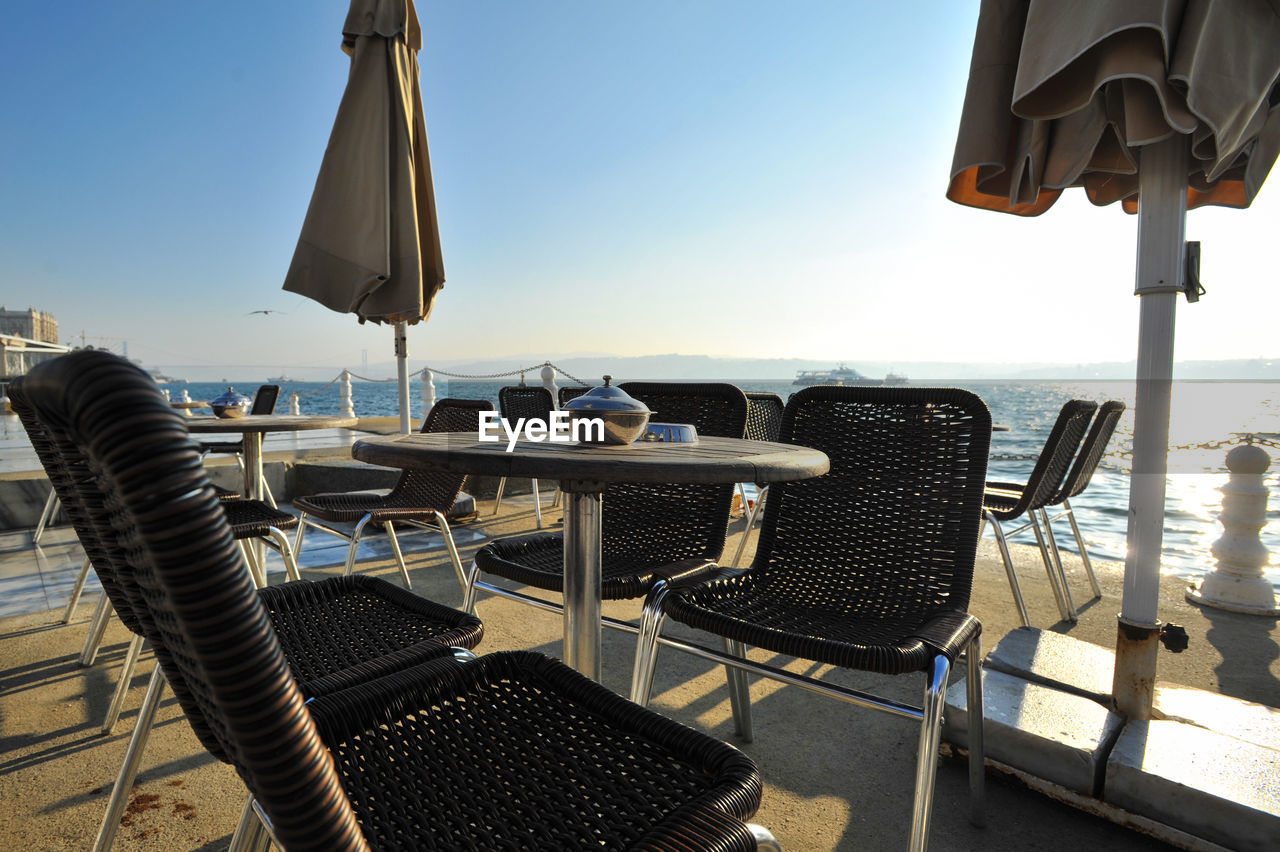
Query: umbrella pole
point(1162, 214)
point(402, 374)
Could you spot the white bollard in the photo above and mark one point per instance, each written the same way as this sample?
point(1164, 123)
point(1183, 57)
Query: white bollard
point(4, 398)
point(184, 396)
point(549, 382)
point(428, 393)
point(1238, 583)
point(293, 403)
point(344, 396)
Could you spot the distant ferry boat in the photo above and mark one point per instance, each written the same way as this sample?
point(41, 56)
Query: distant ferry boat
point(892, 378)
point(841, 375)
point(161, 379)
point(280, 380)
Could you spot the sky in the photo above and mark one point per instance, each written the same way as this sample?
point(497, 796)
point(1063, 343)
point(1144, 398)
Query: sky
point(719, 178)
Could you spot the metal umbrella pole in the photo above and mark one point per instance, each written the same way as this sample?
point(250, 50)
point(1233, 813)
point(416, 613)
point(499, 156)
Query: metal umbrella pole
point(1162, 216)
point(402, 374)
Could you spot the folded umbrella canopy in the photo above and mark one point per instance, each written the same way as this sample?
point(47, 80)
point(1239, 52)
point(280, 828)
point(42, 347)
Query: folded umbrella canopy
point(1163, 105)
point(370, 243)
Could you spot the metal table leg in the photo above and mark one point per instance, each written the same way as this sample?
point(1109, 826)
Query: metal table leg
point(582, 577)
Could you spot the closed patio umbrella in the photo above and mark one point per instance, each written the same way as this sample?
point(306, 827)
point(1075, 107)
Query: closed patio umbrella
point(370, 243)
point(1164, 106)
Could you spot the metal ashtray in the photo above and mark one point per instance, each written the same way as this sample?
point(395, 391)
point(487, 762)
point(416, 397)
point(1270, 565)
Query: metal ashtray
point(231, 404)
point(623, 416)
point(670, 433)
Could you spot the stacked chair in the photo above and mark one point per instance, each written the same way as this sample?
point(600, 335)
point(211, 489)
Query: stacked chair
point(649, 531)
point(1008, 501)
point(1077, 480)
point(439, 751)
point(764, 420)
point(868, 567)
point(522, 402)
point(334, 633)
point(419, 499)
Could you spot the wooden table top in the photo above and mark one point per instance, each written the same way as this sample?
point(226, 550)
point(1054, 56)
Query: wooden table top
point(269, 423)
point(710, 460)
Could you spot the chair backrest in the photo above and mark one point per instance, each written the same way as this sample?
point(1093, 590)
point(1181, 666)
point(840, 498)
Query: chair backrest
point(1091, 451)
point(569, 392)
point(203, 616)
point(264, 401)
point(892, 529)
point(68, 474)
point(515, 401)
point(440, 489)
point(1055, 457)
point(657, 524)
point(764, 416)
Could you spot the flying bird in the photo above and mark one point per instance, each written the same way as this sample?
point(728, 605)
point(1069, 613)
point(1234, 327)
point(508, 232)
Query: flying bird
point(251, 313)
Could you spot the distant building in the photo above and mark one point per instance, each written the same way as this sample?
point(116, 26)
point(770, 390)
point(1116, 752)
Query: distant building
point(26, 338)
point(31, 324)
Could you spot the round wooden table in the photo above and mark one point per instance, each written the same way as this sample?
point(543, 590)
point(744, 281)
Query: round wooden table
point(583, 472)
point(254, 428)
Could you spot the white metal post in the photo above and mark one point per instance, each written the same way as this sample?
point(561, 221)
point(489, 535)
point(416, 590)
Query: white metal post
point(402, 374)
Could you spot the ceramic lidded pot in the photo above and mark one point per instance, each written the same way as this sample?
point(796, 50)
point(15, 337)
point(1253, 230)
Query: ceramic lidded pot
point(624, 416)
point(231, 404)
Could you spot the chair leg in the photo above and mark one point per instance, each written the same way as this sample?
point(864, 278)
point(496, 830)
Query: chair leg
point(977, 745)
point(76, 591)
point(447, 535)
point(297, 538)
point(1057, 565)
point(651, 619)
point(51, 505)
point(739, 691)
point(353, 546)
point(132, 760)
point(537, 503)
point(469, 588)
point(1047, 559)
point(751, 522)
point(927, 756)
point(255, 570)
point(497, 501)
point(251, 835)
point(286, 553)
point(395, 548)
point(122, 685)
point(1084, 551)
point(97, 627)
point(1008, 569)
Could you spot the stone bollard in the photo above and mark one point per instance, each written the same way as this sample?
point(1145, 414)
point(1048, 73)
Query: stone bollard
point(428, 392)
point(1238, 583)
point(344, 396)
point(549, 382)
point(184, 396)
point(294, 408)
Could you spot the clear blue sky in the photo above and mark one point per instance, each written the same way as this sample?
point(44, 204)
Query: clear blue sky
point(721, 178)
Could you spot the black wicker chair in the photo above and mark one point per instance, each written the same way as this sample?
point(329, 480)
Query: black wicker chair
point(264, 402)
point(419, 499)
point(648, 530)
point(336, 633)
point(1078, 479)
point(1008, 501)
point(517, 402)
point(444, 754)
point(764, 420)
point(565, 394)
point(868, 567)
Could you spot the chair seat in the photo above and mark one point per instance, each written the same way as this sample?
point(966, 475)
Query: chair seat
point(538, 560)
point(342, 631)
point(517, 751)
point(1001, 499)
point(770, 616)
point(252, 518)
point(352, 507)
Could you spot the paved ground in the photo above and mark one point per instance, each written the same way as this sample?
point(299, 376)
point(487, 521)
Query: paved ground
point(836, 777)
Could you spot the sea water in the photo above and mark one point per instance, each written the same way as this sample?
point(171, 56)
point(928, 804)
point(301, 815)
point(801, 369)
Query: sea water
point(1204, 416)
